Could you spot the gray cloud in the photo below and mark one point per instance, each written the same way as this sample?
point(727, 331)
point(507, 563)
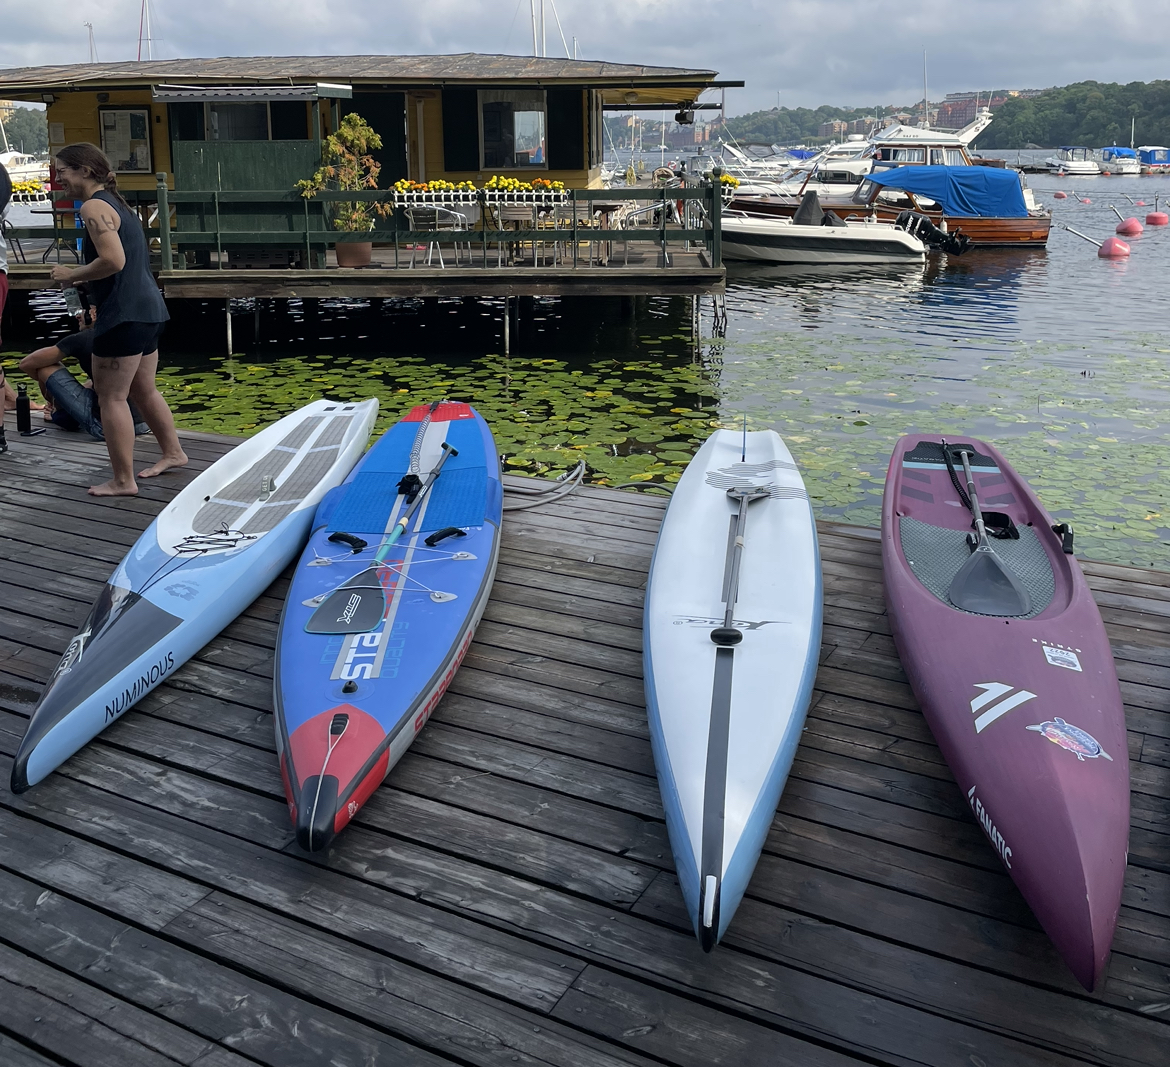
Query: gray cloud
point(810, 51)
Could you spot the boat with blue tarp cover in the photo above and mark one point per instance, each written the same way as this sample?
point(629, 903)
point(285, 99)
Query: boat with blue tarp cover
point(961, 192)
point(1118, 160)
point(1153, 158)
point(990, 206)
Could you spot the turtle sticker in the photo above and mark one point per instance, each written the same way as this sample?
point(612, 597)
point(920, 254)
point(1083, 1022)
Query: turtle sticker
point(1072, 739)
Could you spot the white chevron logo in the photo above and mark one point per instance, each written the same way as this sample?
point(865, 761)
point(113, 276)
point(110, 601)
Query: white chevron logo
point(992, 694)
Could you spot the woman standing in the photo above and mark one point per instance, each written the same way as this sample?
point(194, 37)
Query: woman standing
point(131, 316)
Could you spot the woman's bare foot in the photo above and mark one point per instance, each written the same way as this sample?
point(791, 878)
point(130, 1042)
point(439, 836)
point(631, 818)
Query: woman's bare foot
point(163, 465)
point(113, 488)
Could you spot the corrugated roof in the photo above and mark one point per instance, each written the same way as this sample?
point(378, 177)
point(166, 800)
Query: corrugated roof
point(468, 66)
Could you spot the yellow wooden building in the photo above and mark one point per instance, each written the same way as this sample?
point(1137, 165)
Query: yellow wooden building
point(256, 123)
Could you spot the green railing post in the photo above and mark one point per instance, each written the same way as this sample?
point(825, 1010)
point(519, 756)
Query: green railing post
point(164, 223)
point(716, 217)
point(573, 208)
point(218, 235)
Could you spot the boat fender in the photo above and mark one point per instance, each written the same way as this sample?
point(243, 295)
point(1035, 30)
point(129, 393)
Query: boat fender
point(356, 543)
point(1064, 531)
point(409, 486)
point(447, 531)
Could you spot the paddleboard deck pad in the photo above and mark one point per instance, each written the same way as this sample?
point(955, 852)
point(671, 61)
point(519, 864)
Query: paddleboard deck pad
point(727, 703)
point(210, 552)
point(1024, 700)
point(372, 633)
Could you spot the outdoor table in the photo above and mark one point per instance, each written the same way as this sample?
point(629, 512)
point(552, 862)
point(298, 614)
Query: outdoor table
point(59, 237)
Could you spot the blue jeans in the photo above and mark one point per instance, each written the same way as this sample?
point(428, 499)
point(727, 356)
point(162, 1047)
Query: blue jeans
point(76, 408)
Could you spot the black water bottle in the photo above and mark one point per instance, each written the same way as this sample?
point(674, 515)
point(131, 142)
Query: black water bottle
point(23, 411)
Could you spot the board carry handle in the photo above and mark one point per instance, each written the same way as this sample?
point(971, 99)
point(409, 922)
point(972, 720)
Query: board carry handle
point(356, 543)
point(1064, 531)
point(447, 531)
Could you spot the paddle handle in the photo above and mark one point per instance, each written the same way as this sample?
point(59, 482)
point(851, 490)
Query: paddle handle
point(401, 525)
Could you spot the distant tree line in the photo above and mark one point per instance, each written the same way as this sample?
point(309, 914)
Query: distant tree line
point(785, 125)
point(1086, 113)
point(28, 130)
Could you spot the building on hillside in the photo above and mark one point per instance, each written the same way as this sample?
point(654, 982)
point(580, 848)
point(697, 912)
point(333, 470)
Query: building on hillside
point(6, 109)
point(833, 128)
point(959, 109)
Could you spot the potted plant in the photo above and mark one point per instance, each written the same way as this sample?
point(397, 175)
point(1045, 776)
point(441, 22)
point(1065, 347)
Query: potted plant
point(348, 167)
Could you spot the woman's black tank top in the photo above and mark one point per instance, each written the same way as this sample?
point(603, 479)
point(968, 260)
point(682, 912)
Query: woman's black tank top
point(131, 295)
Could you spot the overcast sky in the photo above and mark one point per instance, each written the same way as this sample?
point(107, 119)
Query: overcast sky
point(841, 52)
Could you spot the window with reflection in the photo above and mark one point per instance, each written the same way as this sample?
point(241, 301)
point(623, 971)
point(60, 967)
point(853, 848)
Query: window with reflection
point(513, 126)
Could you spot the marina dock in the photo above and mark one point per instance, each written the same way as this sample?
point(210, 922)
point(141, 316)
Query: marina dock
point(508, 895)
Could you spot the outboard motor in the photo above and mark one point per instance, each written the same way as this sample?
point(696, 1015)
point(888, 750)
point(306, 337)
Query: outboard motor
point(918, 225)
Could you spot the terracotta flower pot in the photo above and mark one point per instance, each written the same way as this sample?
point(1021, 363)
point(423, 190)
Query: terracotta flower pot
point(354, 253)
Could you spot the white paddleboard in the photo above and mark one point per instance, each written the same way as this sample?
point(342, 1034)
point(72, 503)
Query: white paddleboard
point(727, 704)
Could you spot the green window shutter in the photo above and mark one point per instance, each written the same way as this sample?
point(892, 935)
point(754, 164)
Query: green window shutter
point(566, 129)
point(460, 129)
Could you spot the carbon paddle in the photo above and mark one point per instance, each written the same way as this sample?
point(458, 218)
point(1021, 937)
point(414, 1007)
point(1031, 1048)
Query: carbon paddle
point(358, 605)
point(985, 584)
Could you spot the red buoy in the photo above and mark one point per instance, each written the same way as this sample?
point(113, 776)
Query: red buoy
point(1085, 200)
point(1106, 173)
point(1113, 248)
point(1158, 218)
point(1129, 228)
point(1139, 203)
point(1059, 196)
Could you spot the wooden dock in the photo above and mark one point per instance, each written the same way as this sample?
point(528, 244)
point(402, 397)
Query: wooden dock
point(638, 274)
point(507, 897)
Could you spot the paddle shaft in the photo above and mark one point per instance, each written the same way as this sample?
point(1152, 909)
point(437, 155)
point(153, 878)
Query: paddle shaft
point(976, 511)
point(402, 523)
point(736, 559)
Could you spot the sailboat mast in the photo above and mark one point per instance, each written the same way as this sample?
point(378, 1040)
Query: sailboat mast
point(925, 95)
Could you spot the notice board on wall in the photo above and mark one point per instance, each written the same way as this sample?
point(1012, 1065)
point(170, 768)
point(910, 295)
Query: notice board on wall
point(126, 138)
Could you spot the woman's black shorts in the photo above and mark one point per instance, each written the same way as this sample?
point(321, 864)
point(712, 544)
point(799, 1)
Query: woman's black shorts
point(128, 339)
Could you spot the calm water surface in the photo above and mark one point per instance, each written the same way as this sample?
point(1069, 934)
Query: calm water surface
point(1060, 358)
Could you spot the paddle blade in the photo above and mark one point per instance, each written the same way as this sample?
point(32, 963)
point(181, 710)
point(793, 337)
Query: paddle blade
point(986, 586)
point(354, 608)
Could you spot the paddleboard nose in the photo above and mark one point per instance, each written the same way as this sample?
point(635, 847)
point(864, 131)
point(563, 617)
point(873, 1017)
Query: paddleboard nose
point(335, 761)
point(317, 813)
point(118, 656)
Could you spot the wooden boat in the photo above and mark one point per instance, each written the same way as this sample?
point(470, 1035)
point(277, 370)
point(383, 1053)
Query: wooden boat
point(1004, 218)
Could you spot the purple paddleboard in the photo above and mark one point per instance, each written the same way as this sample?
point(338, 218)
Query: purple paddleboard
point(1025, 706)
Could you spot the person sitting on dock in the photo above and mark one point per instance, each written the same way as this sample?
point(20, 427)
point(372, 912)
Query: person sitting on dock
point(72, 405)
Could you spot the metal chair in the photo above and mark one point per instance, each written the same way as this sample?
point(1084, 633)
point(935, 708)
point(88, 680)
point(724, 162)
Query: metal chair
point(7, 230)
point(437, 218)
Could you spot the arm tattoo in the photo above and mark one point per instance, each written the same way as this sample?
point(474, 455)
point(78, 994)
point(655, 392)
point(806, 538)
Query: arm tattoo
point(96, 224)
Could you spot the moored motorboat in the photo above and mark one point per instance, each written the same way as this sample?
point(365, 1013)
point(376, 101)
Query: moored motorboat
point(990, 206)
point(731, 640)
point(1153, 158)
point(1119, 161)
point(782, 240)
point(210, 552)
point(1005, 650)
point(381, 610)
point(1072, 159)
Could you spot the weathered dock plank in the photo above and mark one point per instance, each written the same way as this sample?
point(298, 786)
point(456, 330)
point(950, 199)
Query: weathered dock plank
point(508, 896)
